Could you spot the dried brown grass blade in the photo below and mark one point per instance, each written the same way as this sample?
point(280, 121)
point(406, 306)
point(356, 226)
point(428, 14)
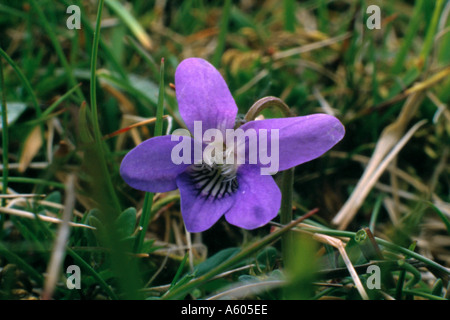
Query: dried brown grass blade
point(30, 215)
point(386, 149)
point(338, 244)
point(54, 266)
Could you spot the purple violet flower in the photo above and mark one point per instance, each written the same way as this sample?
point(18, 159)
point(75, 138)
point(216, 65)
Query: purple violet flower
point(210, 190)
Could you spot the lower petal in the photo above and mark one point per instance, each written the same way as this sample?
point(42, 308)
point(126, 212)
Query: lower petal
point(258, 199)
point(199, 212)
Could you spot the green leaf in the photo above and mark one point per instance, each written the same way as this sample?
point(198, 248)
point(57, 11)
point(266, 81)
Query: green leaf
point(267, 257)
point(95, 222)
point(126, 222)
point(215, 260)
point(85, 125)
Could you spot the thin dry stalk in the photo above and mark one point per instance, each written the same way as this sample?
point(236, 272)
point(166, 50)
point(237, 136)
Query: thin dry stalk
point(310, 47)
point(338, 244)
point(30, 215)
point(54, 266)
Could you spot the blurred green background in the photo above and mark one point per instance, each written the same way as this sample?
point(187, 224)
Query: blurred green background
point(317, 56)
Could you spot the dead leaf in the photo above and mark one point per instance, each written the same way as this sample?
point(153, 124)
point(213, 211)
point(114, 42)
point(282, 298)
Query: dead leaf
point(32, 145)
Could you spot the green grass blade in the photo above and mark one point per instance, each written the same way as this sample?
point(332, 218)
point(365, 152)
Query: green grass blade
point(106, 51)
point(57, 46)
point(36, 181)
point(94, 112)
point(286, 211)
point(60, 100)
point(131, 22)
point(441, 215)
point(431, 32)
point(411, 33)
point(375, 213)
point(222, 34)
point(24, 80)
point(148, 199)
point(289, 15)
point(180, 270)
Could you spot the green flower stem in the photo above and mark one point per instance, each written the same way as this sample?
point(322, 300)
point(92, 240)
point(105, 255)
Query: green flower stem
point(286, 211)
point(144, 221)
point(288, 175)
point(264, 103)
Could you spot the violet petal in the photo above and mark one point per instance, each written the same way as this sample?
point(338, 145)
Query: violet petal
point(200, 213)
point(149, 167)
point(258, 199)
point(203, 95)
point(301, 139)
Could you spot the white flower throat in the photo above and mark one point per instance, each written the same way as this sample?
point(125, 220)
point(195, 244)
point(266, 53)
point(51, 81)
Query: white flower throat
point(216, 177)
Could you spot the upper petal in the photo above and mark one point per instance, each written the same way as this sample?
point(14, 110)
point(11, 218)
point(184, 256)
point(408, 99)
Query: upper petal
point(199, 212)
point(203, 95)
point(300, 139)
point(258, 199)
point(150, 167)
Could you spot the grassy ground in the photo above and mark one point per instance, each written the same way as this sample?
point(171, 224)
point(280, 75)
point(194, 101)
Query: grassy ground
point(382, 194)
